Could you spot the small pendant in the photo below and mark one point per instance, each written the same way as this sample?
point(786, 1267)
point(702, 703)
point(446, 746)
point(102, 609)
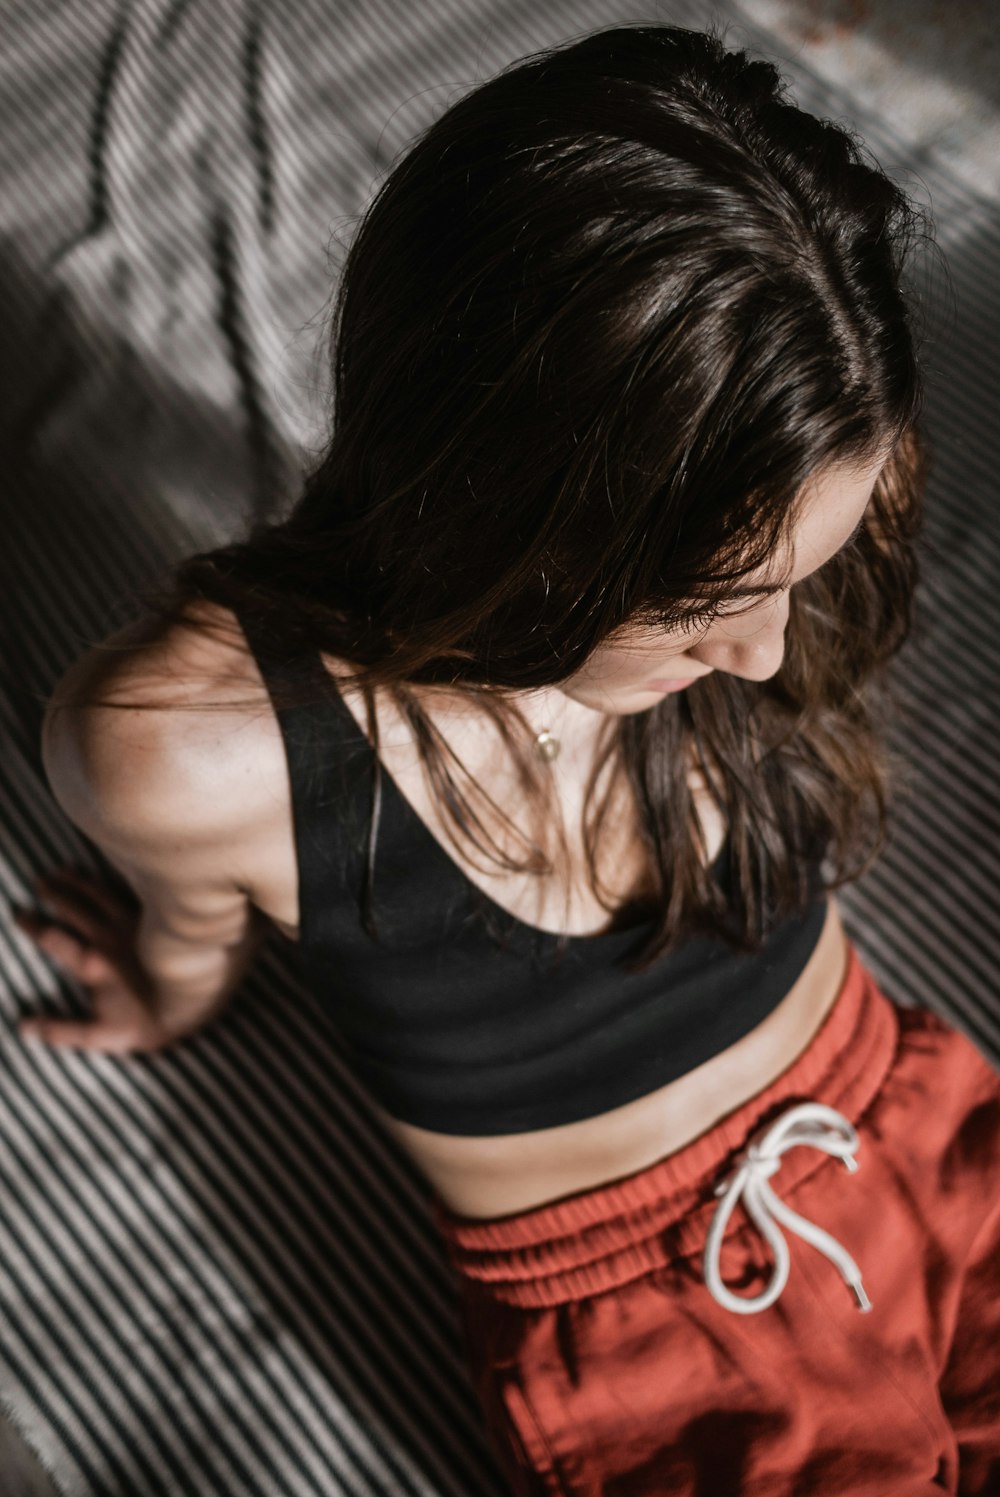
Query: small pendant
point(546, 745)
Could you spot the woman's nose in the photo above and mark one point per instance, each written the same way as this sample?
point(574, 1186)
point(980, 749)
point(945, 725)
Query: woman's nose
point(751, 644)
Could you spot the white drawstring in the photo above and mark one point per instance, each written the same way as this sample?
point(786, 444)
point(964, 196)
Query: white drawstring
point(807, 1123)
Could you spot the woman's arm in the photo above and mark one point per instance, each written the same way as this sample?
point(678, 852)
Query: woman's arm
point(192, 976)
point(164, 795)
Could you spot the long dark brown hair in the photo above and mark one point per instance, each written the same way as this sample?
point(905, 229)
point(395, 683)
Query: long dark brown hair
point(597, 329)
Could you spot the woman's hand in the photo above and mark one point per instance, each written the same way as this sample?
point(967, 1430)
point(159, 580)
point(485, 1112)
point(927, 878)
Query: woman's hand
point(98, 950)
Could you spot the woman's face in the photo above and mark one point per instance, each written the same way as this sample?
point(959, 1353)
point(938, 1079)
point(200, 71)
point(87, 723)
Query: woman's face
point(748, 637)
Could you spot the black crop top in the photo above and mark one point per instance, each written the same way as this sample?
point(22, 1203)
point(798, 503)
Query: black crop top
point(451, 1031)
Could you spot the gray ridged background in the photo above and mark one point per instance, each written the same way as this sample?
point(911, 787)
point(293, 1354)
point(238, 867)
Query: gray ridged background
point(217, 1275)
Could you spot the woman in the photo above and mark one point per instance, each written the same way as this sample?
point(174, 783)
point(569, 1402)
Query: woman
point(547, 723)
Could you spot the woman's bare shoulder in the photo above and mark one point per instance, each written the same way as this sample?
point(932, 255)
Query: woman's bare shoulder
point(154, 728)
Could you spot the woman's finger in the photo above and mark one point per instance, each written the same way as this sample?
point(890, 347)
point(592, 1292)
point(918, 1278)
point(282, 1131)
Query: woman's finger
point(72, 911)
point(98, 895)
point(81, 892)
point(84, 1034)
point(77, 956)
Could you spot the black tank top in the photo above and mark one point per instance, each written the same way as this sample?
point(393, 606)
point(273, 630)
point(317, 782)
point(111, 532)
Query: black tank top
point(454, 1031)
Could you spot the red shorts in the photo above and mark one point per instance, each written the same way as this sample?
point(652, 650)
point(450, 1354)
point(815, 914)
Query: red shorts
point(612, 1336)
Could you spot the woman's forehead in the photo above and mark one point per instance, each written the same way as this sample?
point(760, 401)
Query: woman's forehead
point(833, 503)
point(829, 513)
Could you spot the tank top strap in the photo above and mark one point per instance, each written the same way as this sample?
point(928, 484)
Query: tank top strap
point(330, 767)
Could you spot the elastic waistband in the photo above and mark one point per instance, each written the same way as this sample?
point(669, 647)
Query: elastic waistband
point(597, 1240)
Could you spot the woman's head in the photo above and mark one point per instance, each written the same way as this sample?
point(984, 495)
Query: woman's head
point(620, 338)
point(599, 333)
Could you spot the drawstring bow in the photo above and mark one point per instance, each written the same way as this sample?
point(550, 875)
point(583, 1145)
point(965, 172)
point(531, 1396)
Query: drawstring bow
point(820, 1127)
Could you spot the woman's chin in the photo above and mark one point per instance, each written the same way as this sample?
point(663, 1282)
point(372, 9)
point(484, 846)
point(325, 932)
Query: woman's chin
point(620, 701)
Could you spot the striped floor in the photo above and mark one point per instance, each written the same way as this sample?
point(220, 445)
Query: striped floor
point(217, 1275)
